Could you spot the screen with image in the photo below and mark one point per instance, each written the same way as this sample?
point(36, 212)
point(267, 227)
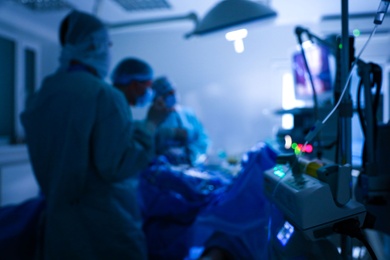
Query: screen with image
point(319, 63)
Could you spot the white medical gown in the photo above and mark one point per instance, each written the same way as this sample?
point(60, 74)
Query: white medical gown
point(81, 144)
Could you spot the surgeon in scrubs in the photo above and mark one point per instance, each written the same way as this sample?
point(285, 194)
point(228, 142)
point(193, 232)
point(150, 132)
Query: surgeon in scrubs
point(181, 137)
point(85, 151)
point(133, 77)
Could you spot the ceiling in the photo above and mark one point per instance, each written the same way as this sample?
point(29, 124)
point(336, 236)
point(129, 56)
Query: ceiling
point(112, 12)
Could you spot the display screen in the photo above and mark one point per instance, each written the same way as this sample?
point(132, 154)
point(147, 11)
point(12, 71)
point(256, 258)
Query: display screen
point(285, 233)
point(319, 63)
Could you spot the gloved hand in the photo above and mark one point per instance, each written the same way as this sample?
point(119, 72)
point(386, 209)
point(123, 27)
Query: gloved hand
point(157, 112)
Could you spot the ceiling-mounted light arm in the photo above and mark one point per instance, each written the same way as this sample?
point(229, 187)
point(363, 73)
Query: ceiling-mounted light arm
point(191, 16)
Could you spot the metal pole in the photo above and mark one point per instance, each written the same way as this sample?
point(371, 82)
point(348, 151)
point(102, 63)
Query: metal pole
point(345, 121)
point(346, 147)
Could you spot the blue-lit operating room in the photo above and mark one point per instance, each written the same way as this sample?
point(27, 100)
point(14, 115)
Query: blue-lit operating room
point(195, 130)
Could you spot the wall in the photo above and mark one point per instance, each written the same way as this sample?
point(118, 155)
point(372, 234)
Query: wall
point(17, 182)
point(45, 51)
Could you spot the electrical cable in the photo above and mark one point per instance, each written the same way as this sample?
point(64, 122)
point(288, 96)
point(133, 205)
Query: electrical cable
point(351, 227)
point(319, 124)
point(299, 31)
point(359, 108)
point(349, 77)
point(376, 80)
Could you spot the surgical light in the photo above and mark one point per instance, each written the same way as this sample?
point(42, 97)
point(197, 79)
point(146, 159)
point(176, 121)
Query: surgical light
point(287, 141)
point(236, 35)
point(229, 13)
point(237, 38)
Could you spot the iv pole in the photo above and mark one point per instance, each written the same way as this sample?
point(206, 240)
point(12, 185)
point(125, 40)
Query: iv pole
point(346, 103)
point(345, 146)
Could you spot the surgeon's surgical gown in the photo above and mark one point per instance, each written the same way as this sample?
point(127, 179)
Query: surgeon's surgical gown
point(197, 142)
point(81, 144)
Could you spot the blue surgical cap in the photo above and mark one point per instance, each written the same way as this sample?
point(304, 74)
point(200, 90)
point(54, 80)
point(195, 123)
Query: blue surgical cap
point(130, 69)
point(162, 85)
point(77, 26)
point(85, 39)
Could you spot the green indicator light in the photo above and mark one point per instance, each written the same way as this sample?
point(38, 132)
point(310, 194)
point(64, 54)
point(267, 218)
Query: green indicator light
point(279, 173)
point(356, 32)
point(294, 145)
point(340, 46)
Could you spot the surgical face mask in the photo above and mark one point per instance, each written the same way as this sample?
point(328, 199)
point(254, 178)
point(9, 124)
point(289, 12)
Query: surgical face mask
point(170, 101)
point(145, 99)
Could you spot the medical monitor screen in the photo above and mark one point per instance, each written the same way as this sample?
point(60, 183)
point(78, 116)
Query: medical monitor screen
point(319, 62)
point(285, 233)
